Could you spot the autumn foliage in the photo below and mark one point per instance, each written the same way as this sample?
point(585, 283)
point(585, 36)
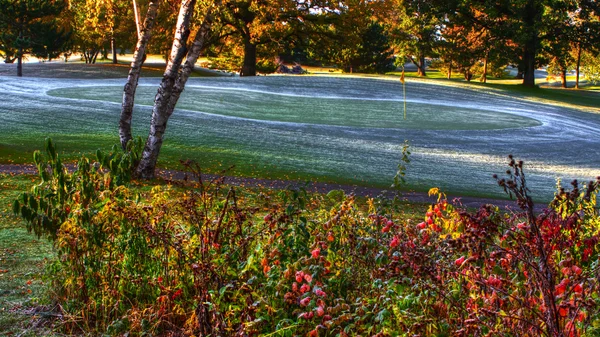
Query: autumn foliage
point(208, 259)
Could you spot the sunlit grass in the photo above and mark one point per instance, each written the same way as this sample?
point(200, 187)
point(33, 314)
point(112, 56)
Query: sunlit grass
point(586, 97)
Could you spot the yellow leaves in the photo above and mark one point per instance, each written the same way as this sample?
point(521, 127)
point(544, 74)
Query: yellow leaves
point(371, 204)
point(433, 191)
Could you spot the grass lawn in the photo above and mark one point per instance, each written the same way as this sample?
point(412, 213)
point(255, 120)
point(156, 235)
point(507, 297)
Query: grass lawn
point(24, 306)
point(587, 97)
point(342, 128)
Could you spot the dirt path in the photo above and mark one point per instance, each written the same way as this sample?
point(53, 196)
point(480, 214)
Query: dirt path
point(318, 187)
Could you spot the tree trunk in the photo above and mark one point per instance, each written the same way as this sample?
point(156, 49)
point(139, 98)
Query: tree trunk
point(577, 65)
point(485, 68)
point(192, 57)
point(134, 73)
point(114, 50)
point(529, 20)
point(421, 66)
point(95, 56)
point(20, 63)
point(160, 117)
point(450, 70)
point(249, 66)
point(563, 77)
point(529, 58)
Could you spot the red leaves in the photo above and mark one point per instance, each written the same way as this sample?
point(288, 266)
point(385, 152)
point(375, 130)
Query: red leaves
point(305, 301)
point(315, 253)
point(561, 287)
point(395, 242)
point(459, 261)
point(307, 278)
point(320, 292)
point(307, 315)
point(330, 237)
point(177, 293)
point(563, 312)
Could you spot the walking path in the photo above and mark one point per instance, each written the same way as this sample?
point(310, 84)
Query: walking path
point(316, 187)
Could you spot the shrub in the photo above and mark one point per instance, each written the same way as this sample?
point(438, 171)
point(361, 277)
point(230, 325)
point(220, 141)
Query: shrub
point(209, 259)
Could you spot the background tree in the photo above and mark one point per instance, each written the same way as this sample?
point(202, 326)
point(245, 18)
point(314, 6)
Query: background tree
point(590, 64)
point(27, 25)
point(415, 30)
point(101, 25)
point(255, 29)
point(354, 39)
point(163, 32)
point(585, 37)
point(374, 54)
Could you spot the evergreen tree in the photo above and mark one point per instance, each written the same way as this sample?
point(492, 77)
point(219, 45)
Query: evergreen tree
point(31, 26)
point(374, 54)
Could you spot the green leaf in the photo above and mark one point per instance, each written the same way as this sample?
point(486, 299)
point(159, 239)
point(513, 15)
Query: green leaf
point(16, 207)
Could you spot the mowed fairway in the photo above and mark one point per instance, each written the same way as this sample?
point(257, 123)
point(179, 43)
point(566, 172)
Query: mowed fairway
point(346, 130)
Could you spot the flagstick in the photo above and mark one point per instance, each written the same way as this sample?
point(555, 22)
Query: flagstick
point(403, 90)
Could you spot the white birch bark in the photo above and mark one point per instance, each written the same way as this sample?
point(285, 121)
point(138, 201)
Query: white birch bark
point(134, 73)
point(160, 116)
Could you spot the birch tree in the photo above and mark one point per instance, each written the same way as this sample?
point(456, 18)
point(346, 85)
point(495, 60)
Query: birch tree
point(173, 83)
point(134, 73)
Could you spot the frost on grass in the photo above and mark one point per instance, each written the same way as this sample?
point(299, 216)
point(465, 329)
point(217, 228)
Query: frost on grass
point(330, 128)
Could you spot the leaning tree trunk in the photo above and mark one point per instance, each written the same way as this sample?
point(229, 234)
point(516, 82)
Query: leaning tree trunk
point(192, 56)
point(249, 66)
point(160, 116)
point(134, 73)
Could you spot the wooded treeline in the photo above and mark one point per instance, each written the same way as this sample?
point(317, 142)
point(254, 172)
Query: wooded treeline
point(471, 37)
